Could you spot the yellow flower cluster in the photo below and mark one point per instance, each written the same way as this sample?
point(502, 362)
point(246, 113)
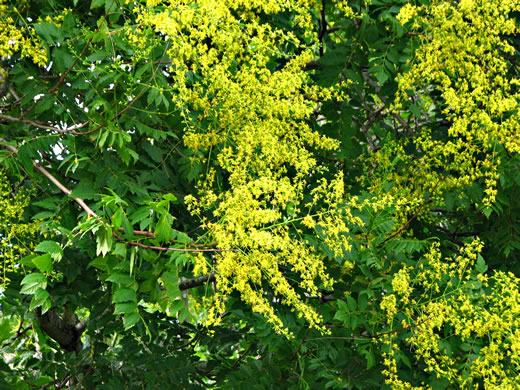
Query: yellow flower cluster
point(481, 314)
point(256, 131)
point(463, 55)
point(15, 233)
point(14, 38)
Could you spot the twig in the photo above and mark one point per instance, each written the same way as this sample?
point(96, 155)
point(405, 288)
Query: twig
point(402, 228)
point(301, 344)
point(165, 249)
point(323, 27)
point(152, 235)
point(244, 354)
point(43, 126)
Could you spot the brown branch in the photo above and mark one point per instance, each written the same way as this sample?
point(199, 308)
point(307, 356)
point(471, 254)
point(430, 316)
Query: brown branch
point(43, 126)
point(323, 27)
point(237, 362)
point(452, 236)
point(191, 283)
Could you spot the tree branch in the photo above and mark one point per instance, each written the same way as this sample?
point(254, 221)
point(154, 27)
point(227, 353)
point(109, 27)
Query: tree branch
point(191, 283)
point(43, 126)
point(323, 27)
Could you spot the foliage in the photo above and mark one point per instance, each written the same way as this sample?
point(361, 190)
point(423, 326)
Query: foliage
point(228, 194)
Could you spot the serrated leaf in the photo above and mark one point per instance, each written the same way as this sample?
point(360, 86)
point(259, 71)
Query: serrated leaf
point(43, 263)
point(125, 307)
point(178, 305)
point(140, 214)
point(131, 319)
point(171, 282)
point(351, 303)
point(44, 104)
point(25, 154)
point(52, 248)
point(40, 296)
point(99, 263)
point(104, 242)
point(32, 282)
point(120, 278)
point(163, 229)
point(43, 215)
point(49, 32)
point(123, 295)
point(97, 4)
point(84, 190)
point(480, 265)
point(182, 237)
point(48, 204)
point(170, 197)
point(27, 260)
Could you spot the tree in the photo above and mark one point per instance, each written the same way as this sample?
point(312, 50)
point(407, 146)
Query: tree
point(272, 194)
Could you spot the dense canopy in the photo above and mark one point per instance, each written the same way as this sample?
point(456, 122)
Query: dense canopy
point(259, 194)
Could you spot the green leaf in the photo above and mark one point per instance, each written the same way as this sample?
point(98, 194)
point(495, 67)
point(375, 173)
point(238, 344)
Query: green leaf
point(178, 305)
point(120, 278)
point(99, 263)
point(170, 197)
point(52, 248)
point(402, 356)
point(49, 32)
point(44, 104)
point(125, 307)
point(171, 282)
point(97, 4)
point(480, 265)
point(27, 260)
point(140, 214)
point(39, 299)
point(352, 304)
point(152, 94)
point(123, 295)
point(154, 152)
point(131, 319)
point(369, 355)
point(85, 190)
point(43, 215)
point(117, 218)
point(104, 242)
point(163, 229)
point(25, 155)
point(43, 263)
point(32, 282)
point(120, 250)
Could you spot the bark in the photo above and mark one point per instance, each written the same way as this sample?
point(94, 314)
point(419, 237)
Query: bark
point(67, 335)
point(191, 283)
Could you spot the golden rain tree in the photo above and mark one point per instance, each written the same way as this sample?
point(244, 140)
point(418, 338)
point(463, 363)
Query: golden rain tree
point(287, 194)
